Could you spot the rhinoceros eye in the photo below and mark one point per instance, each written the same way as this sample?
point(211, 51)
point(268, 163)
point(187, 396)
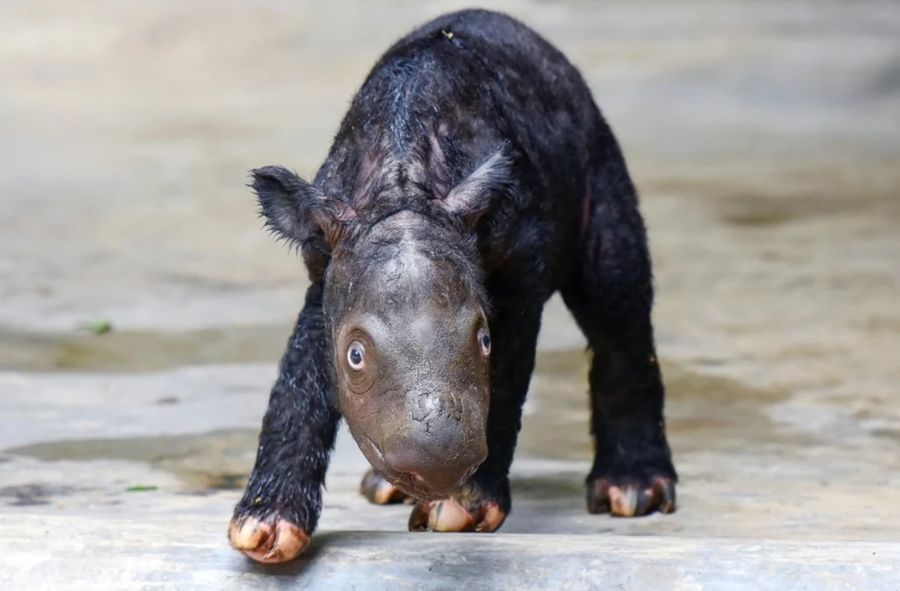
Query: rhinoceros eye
point(356, 356)
point(484, 339)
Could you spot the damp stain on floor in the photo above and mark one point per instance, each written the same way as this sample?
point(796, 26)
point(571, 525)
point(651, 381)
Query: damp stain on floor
point(211, 461)
point(139, 350)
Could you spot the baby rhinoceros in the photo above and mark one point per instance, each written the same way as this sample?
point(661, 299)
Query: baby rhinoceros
point(472, 177)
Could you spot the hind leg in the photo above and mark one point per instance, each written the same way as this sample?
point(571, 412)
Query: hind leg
point(379, 491)
point(610, 294)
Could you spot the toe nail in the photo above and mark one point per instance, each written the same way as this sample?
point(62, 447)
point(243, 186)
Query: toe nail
point(384, 490)
point(248, 534)
point(493, 518)
point(418, 519)
point(379, 490)
point(622, 502)
point(450, 516)
point(644, 502)
point(289, 541)
point(665, 492)
point(598, 497)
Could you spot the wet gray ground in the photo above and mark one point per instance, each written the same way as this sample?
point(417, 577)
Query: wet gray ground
point(765, 139)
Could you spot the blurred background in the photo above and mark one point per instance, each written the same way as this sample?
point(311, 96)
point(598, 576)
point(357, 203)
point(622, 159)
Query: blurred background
point(143, 308)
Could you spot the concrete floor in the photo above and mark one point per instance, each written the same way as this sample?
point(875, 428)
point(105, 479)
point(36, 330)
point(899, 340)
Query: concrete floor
point(765, 139)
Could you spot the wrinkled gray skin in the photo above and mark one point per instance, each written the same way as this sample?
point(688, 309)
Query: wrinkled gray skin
point(403, 289)
point(417, 404)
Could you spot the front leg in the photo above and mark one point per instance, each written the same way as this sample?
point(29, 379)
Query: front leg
point(484, 502)
point(280, 507)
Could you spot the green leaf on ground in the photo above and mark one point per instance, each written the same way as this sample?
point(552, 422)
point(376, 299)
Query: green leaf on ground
point(98, 327)
point(141, 488)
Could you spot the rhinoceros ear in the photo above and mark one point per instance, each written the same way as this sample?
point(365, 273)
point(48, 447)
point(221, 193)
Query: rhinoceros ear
point(475, 194)
point(297, 210)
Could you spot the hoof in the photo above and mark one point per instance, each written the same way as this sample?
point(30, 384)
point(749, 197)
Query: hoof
point(629, 498)
point(270, 541)
point(379, 491)
point(449, 515)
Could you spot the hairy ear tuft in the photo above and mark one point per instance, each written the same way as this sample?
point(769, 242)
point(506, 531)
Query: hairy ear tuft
point(475, 194)
point(297, 210)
